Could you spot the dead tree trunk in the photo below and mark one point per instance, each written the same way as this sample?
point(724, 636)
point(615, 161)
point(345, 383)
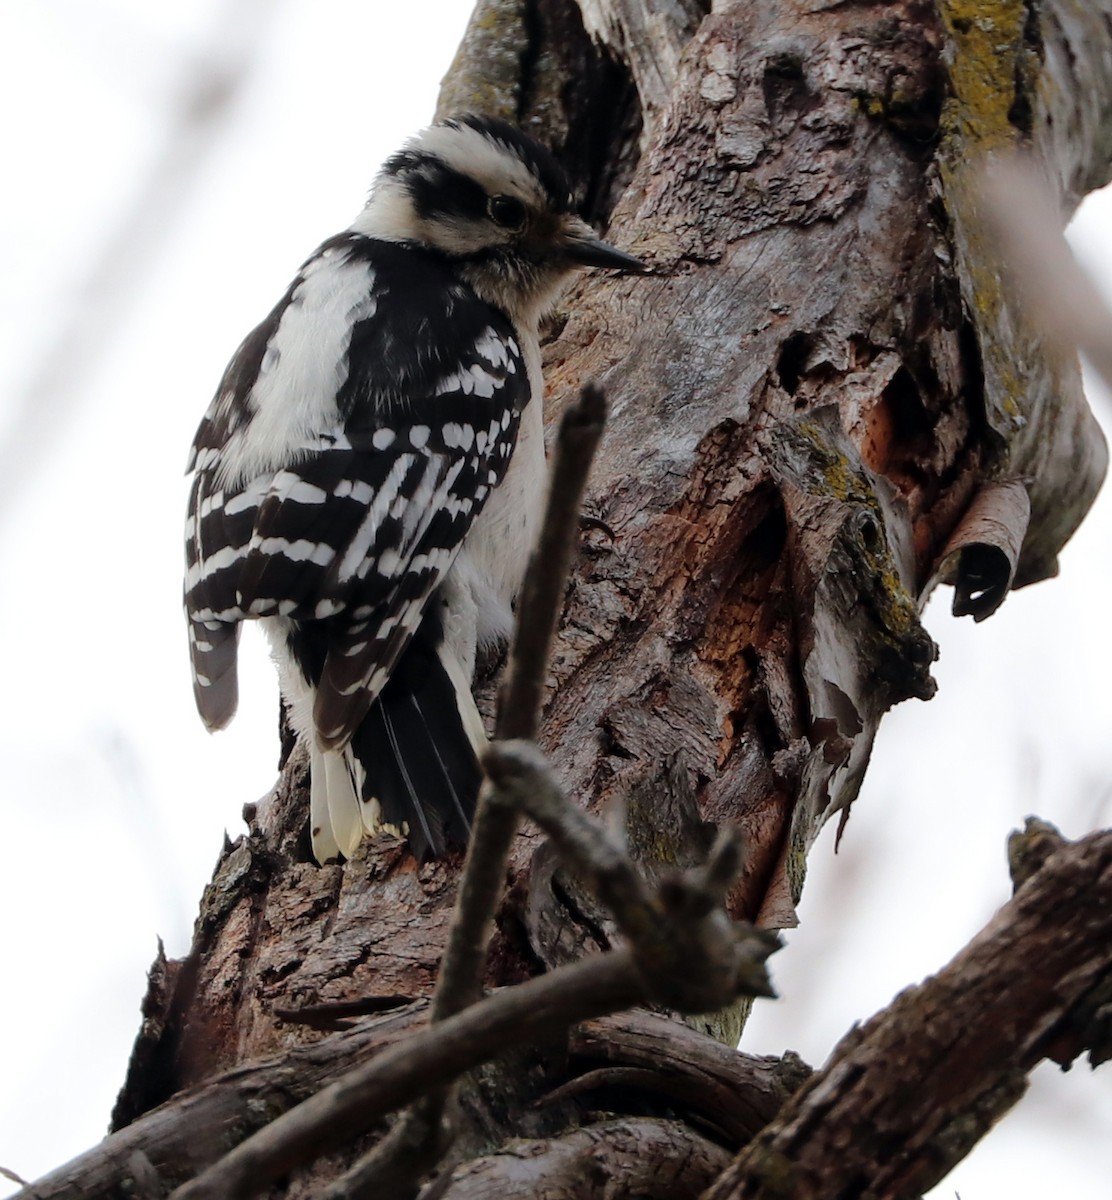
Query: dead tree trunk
point(824, 402)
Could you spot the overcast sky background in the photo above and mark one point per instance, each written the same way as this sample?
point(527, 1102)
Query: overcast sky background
point(169, 166)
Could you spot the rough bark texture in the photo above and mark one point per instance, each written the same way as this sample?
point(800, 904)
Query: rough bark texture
point(1026, 988)
point(824, 379)
point(728, 1095)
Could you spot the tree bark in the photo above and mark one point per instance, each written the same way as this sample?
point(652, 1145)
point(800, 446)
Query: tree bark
point(824, 401)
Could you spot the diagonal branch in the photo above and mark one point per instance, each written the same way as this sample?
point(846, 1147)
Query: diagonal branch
point(418, 1135)
point(191, 1131)
point(908, 1095)
point(542, 596)
point(432, 1058)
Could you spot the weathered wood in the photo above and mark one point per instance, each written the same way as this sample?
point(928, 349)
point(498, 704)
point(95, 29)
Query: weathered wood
point(908, 1095)
point(742, 1092)
point(650, 1159)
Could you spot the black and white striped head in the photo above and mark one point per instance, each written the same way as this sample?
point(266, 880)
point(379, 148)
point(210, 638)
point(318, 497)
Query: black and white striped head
point(496, 203)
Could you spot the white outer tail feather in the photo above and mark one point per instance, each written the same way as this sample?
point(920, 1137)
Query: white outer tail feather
point(338, 818)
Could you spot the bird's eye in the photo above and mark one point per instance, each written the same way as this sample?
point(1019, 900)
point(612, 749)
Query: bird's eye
point(507, 211)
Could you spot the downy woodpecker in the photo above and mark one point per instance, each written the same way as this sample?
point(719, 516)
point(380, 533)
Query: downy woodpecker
point(370, 474)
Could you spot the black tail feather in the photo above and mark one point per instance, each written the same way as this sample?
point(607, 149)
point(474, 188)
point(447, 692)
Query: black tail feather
point(419, 763)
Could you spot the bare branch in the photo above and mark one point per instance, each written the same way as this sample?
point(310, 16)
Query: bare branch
point(737, 1093)
point(188, 1133)
point(694, 958)
point(432, 1058)
point(687, 954)
point(459, 981)
point(393, 1166)
point(653, 1159)
point(907, 1096)
point(461, 970)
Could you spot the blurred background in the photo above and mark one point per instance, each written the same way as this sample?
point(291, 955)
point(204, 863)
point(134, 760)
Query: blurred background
point(169, 166)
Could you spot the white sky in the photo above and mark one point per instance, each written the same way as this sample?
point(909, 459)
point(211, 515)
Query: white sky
point(114, 800)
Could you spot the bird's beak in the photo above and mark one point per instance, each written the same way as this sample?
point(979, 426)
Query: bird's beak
point(583, 248)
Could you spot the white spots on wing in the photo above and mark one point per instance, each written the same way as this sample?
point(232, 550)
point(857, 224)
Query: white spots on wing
point(419, 436)
point(457, 436)
point(481, 441)
point(225, 557)
point(483, 383)
point(477, 379)
point(357, 489)
point(364, 536)
point(222, 616)
point(457, 505)
point(288, 485)
point(246, 499)
point(450, 383)
point(327, 608)
point(491, 347)
point(209, 503)
point(382, 439)
point(389, 561)
point(301, 550)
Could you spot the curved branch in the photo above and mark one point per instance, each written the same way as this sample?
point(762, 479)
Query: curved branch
point(650, 1159)
point(738, 1093)
point(434, 1057)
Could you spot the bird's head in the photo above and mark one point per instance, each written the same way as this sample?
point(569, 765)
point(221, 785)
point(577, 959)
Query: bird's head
point(497, 204)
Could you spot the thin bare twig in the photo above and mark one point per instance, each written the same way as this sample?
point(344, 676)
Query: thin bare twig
point(461, 970)
point(686, 953)
point(192, 1130)
point(434, 1057)
point(459, 982)
point(394, 1165)
point(694, 957)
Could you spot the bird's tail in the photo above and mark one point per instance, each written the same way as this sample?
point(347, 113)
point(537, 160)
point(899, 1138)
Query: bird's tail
point(212, 653)
point(412, 765)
